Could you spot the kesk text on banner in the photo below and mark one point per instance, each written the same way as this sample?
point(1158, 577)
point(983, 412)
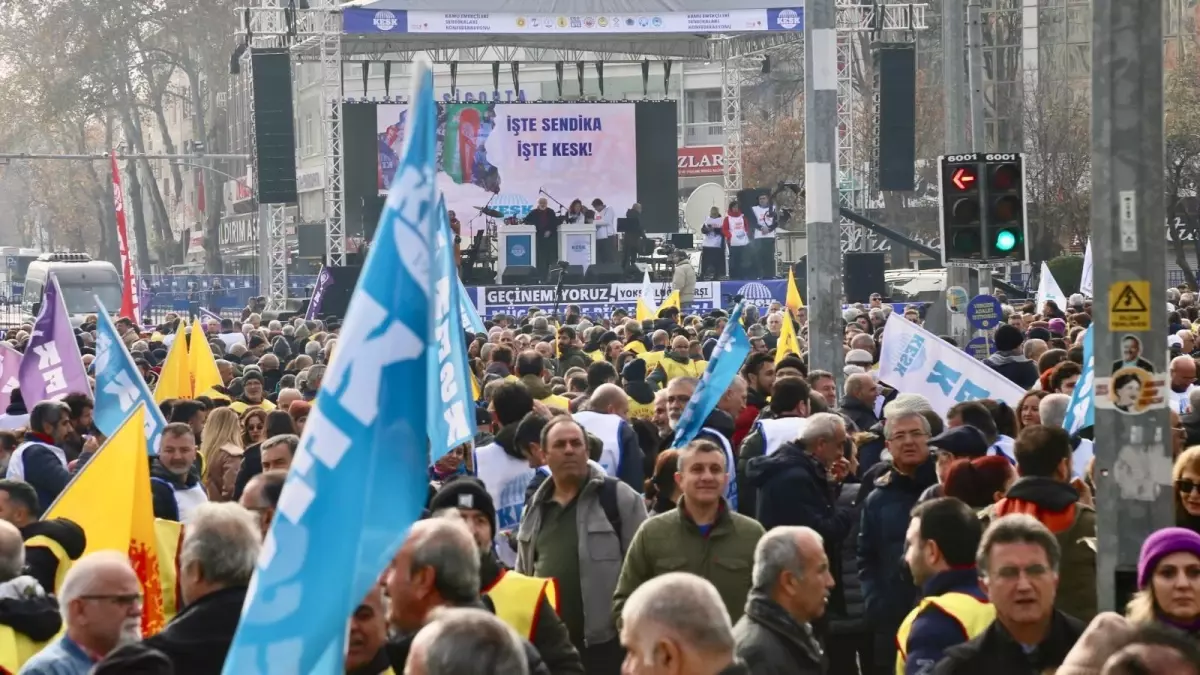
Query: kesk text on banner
point(52, 366)
point(360, 475)
point(918, 362)
point(451, 403)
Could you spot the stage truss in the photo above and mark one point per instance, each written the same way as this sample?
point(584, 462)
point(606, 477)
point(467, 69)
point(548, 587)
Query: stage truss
point(315, 35)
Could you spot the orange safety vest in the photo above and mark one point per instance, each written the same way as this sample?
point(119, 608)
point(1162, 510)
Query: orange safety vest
point(517, 597)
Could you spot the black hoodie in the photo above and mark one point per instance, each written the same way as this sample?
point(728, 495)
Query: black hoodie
point(40, 562)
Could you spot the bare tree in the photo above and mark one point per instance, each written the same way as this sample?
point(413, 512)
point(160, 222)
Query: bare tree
point(1182, 157)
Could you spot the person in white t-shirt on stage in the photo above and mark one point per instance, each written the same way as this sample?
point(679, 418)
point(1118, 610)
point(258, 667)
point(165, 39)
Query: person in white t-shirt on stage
point(763, 266)
point(737, 233)
point(712, 255)
point(606, 232)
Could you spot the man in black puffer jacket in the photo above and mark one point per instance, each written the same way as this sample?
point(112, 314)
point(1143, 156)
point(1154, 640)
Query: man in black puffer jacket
point(447, 545)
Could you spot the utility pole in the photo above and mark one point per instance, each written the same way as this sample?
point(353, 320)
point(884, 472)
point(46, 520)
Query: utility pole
point(821, 202)
point(1133, 447)
point(954, 74)
point(978, 136)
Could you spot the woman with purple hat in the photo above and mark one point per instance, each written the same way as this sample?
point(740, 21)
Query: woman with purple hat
point(1168, 577)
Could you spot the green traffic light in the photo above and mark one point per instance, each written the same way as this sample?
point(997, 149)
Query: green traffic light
point(1006, 241)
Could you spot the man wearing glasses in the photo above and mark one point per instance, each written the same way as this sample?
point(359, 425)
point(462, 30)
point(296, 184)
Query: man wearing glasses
point(101, 604)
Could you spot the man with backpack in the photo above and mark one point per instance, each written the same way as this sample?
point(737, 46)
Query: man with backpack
point(568, 534)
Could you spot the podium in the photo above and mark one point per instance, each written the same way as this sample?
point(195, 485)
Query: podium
point(518, 247)
point(577, 244)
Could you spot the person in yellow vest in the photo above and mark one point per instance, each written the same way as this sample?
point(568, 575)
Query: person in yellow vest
point(940, 546)
point(676, 362)
point(639, 391)
point(531, 369)
point(659, 341)
point(529, 605)
point(252, 393)
point(51, 546)
point(30, 614)
point(633, 337)
point(366, 652)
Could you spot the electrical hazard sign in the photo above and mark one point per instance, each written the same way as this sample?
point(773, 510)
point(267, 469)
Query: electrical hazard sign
point(1127, 306)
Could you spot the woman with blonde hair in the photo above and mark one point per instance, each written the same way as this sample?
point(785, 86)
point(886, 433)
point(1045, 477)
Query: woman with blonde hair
point(1185, 484)
point(222, 451)
point(1168, 578)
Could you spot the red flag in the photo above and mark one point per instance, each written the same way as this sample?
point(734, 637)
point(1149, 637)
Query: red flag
point(129, 296)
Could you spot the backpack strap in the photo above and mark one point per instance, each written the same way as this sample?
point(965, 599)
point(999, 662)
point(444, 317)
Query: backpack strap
point(608, 501)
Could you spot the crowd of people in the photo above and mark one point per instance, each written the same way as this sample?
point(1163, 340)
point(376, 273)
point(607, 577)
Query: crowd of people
point(804, 530)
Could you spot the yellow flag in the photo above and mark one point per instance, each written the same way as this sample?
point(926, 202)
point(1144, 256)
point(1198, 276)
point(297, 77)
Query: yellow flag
point(110, 499)
point(788, 343)
point(175, 379)
point(646, 310)
point(203, 365)
point(794, 301)
point(672, 301)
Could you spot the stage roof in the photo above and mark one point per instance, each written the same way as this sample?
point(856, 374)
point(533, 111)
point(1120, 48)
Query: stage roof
point(633, 29)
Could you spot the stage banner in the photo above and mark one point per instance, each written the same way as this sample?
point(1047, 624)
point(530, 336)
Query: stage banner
point(388, 16)
point(593, 299)
point(915, 361)
point(758, 293)
point(519, 250)
point(505, 156)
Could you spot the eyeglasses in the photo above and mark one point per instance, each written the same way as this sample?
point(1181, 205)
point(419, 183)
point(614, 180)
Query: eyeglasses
point(122, 600)
point(1186, 486)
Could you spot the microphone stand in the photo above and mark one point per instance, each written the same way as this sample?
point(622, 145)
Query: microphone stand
point(561, 207)
point(558, 288)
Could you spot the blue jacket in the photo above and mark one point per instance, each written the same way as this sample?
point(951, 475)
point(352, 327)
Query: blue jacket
point(934, 631)
point(888, 590)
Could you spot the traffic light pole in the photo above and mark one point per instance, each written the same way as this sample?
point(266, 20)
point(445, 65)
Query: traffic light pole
point(821, 204)
point(978, 137)
point(1133, 441)
point(955, 83)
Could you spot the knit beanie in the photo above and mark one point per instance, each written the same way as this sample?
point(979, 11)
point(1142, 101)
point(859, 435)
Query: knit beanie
point(1162, 544)
point(465, 493)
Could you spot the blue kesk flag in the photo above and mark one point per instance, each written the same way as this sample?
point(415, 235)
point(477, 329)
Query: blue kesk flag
point(727, 359)
point(470, 315)
point(360, 475)
point(451, 408)
point(1082, 412)
point(119, 385)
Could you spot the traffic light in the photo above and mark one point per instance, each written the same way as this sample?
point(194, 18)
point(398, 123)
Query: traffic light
point(1005, 219)
point(961, 213)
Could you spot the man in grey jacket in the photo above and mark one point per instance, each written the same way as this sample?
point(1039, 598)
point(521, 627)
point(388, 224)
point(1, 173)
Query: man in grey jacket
point(684, 279)
point(577, 529)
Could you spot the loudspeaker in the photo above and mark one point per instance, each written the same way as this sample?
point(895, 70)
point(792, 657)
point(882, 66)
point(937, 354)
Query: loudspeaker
point(274, 128)
point(604, 273)
point(864, 276)
point(896, 82)
point(372, 210)
point(520, 275)
point(310, 240)
point(337, 295)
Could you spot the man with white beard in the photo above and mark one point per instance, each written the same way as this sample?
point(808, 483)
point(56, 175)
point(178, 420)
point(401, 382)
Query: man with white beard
point(101, 602)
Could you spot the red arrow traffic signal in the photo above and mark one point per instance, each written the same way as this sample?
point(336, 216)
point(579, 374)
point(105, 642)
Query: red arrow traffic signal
point(963, 178)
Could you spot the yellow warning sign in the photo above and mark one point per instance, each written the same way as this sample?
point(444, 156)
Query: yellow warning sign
point(1127, 306)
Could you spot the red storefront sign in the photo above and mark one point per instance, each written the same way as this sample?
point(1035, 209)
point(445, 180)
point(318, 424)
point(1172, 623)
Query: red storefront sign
point(701, 160)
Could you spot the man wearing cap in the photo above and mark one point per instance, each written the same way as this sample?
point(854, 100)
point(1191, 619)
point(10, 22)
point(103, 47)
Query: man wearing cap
point(1009, 359)
point(252, 393)
point(964, 442)
point(527, 604)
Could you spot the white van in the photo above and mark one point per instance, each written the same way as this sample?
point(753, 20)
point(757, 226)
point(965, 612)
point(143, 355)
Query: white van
point(80, 279)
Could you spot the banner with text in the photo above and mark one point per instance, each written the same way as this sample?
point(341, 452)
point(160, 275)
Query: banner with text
point(506, 155)
point(389, 16)
point(592, 299)
point(915, 361)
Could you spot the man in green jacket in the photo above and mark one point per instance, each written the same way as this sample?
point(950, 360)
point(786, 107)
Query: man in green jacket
point(702, 535)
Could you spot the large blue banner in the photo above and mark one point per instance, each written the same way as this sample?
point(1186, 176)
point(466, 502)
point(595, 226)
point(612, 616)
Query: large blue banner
point(359, 479)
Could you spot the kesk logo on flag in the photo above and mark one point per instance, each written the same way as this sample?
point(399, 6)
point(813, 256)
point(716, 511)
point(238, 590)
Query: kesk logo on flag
point(324, 281)
point(10, 370)
point(1082, 411)
point(360, 476)
point(449, 426)
point(110, 499)
point(731, 350)
point(120, 387)
point(52, 367)
point(916, 361)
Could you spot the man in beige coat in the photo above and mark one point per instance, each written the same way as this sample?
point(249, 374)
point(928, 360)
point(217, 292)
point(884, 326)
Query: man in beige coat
point(684, 280)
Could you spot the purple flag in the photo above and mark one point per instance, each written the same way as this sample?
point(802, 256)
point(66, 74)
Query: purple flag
point(324, 281)
point(10, 369)
point(53, 367)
